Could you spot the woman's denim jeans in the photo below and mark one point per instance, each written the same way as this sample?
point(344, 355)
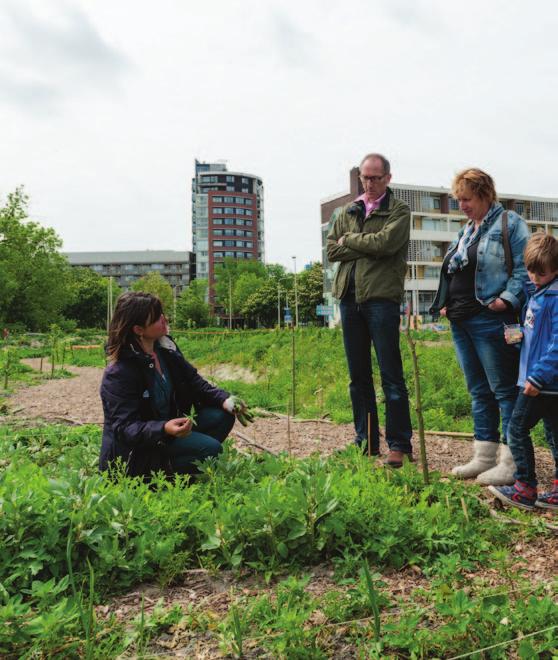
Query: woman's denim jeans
point(491, 368)
point(527, 412)
point(376, 322)
point(211, 427)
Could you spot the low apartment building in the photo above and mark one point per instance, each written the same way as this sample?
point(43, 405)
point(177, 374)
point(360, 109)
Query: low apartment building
point(177, 267)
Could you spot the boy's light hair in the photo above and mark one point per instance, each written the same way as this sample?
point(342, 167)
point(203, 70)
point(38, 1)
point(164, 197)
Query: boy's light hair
point(541, 253)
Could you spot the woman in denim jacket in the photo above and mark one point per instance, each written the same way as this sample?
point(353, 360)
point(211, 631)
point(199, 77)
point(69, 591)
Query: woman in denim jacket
point(479, 297)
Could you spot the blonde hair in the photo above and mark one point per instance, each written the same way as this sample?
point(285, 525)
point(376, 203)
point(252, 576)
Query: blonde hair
point(476, 182)
point(541, 253)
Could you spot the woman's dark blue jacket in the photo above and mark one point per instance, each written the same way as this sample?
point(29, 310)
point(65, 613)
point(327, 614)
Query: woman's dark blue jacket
point(132, 430)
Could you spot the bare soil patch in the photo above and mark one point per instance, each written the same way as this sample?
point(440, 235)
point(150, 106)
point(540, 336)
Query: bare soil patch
point(59, 400)
point(225, 371)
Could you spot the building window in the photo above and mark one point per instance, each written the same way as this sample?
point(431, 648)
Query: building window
point(244, 179)
point(217, 210)
point(431, 224)
point(217, 232)
point(217, 200)
point(249, 202)
point(249, 222)
point(230, 188)
point(228, 210)
point(217, 243)
point(248, 211)
point(240, 211)
point(230, 178)
point(431, 273)
point(436, 202)
point(455, 225)
point(217, 221)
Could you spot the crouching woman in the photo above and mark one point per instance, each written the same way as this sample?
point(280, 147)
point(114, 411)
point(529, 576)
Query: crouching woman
point(148, 392)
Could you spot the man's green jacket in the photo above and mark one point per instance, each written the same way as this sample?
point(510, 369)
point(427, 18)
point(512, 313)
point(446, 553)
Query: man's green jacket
point(376, 247)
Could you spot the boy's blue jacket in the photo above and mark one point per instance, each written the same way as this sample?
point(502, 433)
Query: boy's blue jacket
point(539, 356)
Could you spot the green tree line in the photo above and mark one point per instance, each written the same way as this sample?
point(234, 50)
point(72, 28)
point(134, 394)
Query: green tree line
point(38, 287)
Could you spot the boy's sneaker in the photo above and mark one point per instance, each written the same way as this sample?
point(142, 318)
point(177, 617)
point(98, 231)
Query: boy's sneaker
point(520, 495)
point(549, 500)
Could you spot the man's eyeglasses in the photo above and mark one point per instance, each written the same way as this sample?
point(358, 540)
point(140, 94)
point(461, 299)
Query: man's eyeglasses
point(371, 179)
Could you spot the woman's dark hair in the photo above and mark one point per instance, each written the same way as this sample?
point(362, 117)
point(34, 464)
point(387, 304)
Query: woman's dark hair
point(132, 308)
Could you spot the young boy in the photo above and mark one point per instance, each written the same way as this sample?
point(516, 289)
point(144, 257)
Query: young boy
point(538, 379)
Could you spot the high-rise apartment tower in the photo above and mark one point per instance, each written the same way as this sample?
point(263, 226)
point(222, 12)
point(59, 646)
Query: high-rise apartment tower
point(227, 218)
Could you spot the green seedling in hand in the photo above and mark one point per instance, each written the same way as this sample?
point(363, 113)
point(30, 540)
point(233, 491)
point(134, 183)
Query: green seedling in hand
point(242, 411)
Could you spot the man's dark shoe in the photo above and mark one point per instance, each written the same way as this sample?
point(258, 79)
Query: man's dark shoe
point(396, 458)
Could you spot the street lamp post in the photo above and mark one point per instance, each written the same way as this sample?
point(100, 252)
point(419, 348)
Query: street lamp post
point(295, 292)
point(278, 305)
point(230, 302)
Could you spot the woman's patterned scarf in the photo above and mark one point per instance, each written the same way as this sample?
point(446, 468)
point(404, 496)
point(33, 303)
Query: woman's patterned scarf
point(460, 257)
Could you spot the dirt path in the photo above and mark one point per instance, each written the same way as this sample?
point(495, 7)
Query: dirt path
point(77, 400)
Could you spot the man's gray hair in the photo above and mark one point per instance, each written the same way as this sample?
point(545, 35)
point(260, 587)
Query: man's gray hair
point(385, 162)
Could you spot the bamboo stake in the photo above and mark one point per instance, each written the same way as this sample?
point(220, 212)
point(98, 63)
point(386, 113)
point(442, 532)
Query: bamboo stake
point(293, 372)
point(289, 431)
point(418, 400)
point(465, 510)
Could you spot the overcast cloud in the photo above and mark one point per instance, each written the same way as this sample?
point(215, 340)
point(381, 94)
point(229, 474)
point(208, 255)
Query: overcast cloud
point(105, 105)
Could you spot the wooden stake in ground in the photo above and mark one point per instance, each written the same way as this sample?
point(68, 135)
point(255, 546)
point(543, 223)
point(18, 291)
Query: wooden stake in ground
point(369, 437)
point(418, 399)
point(293, 375)
point(289, 430)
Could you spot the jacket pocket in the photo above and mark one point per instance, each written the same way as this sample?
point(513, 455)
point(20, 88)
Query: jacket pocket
point(495, 244)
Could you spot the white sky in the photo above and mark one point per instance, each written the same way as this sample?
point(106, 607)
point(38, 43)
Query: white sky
point(104, 105)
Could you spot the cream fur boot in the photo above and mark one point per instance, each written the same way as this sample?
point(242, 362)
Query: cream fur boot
point(502, 474)
point(484, 458)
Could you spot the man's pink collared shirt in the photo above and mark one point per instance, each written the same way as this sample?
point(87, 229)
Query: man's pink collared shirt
point(370, 206)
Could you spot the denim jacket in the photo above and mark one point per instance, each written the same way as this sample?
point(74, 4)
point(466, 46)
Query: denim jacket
point(491, 276)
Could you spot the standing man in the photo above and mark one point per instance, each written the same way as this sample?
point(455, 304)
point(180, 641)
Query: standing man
point(370, 239)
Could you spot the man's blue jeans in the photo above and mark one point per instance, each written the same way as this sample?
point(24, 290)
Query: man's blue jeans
point(527, 412)
point(211, 427)
point(491, 368)
point(376, 322)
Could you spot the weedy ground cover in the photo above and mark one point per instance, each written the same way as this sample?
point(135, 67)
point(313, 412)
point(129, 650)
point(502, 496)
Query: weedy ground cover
point(321, 372)
point(70, 538)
